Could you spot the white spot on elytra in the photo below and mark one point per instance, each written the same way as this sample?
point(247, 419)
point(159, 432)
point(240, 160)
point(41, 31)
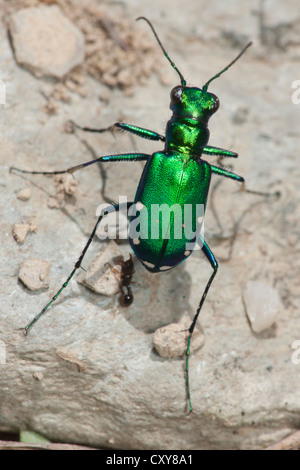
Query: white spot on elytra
point(164, 268)
point(150, 265)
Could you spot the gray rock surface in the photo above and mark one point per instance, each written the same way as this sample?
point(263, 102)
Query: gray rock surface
point(87, 371)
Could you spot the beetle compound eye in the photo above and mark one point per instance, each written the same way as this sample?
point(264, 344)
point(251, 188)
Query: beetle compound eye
point(176, 94)
point(215, 104)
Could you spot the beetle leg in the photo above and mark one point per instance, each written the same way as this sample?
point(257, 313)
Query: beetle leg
point(219, 152)
point(126, 157)
point(214, 264)
point(139, 131)
point(226, 173)
point(229, 174)
point(112, 208)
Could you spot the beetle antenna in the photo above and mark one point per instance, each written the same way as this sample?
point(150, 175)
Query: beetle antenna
point(227, 67)
point(183, 82)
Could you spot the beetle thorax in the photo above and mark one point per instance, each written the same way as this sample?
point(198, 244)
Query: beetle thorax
point(186, 136)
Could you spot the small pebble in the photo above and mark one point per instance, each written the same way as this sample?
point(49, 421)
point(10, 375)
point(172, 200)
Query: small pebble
point(100, 277)
point(171, 340)
point(20, 231)
point(45, 41)
point(24, 194)
point(38, 376)
point(66, 185)
point(263, 305)
point(34, 273)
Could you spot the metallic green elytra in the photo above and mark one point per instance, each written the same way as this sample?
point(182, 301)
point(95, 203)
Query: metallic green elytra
point(185, 182)
point(167, 212)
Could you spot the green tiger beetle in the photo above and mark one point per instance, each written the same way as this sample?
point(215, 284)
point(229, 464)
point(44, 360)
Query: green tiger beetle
point(175, 176)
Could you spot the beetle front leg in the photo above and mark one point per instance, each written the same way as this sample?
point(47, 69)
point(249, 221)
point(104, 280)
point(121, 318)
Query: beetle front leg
point(139, 131)
point(112, 208)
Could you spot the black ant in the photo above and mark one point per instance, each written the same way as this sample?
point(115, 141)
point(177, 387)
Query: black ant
point(126, 299)
point(127, 270)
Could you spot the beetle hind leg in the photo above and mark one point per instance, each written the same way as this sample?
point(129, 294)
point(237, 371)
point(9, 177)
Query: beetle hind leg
point(214, 264)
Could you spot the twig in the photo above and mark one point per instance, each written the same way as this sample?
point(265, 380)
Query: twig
point(291, 442)
point(14, 445)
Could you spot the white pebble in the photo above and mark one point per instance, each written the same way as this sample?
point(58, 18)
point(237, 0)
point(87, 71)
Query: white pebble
point(262, 305)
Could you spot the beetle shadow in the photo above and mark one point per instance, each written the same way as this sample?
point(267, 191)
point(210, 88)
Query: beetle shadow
point(159, 298)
